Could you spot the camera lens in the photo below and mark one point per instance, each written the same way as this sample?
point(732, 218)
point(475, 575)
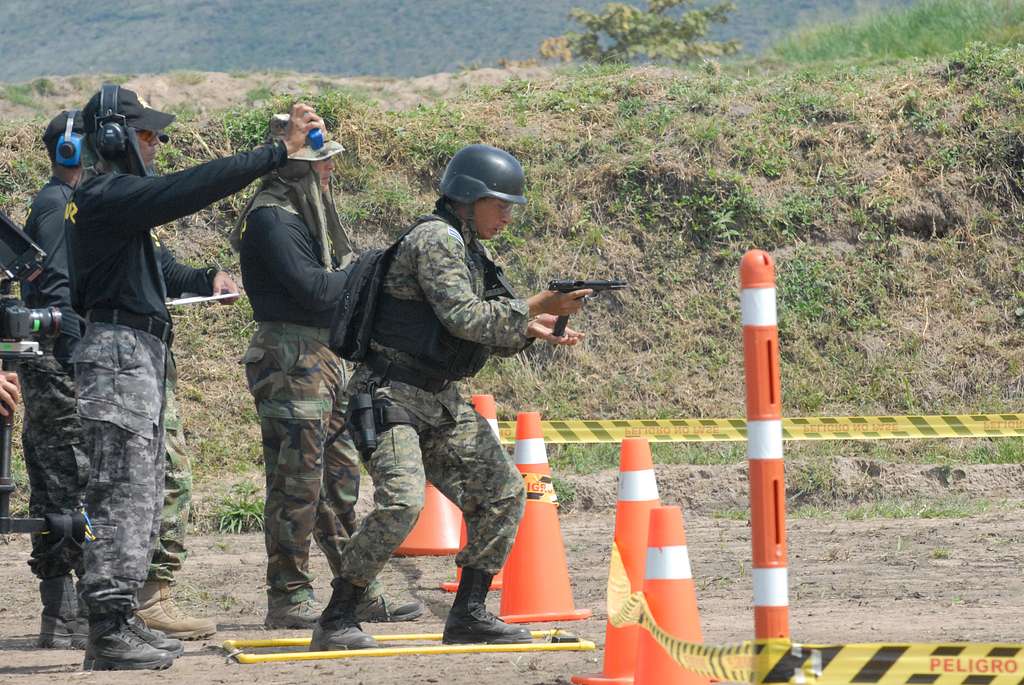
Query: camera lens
point(45, 322)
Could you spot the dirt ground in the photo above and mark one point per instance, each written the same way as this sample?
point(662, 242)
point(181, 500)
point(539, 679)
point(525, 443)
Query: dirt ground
point(872, 580)
point(203, 92)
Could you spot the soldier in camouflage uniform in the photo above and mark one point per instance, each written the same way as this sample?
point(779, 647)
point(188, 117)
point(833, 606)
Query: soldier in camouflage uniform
point(51, 436)
point(445, 308)
point(292, 247)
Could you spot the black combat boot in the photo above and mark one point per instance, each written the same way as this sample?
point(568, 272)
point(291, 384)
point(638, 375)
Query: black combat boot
point(114, 645)
point(469, 622)
point(338, 627)
point(61, 627)
point(381, 610)
point(155, 638)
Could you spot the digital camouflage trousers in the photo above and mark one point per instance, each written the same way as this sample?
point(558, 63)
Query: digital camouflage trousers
point(120, 376)
point(58, 469)
point(312, 469)
point(170, 552)
point(461, 457)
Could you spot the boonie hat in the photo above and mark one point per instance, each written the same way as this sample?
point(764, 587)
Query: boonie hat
point(278, 125)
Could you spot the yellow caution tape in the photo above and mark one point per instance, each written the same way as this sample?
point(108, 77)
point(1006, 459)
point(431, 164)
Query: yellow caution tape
point(805, 428)
point(779, 661)
point(733, 663)
point(774, 662)
point(619, 587)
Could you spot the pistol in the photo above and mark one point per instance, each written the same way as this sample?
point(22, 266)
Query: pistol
point(569, 286)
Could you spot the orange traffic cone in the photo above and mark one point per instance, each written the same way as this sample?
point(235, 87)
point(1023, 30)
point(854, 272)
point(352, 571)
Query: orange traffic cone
point(436, 532)
point(672, 597)
point(638, 495)
point(486, 407)
point(536, 573)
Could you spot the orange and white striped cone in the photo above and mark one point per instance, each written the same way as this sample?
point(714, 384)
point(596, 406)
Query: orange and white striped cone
point(672, 598)
point(764, 445)
point(638, 495)
point(487, 408)
point(536, 574)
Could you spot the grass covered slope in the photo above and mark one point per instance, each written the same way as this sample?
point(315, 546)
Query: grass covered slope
point(890, 196)
point(925, 29)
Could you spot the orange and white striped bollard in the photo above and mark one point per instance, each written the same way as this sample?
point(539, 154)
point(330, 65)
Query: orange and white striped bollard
point(764, 445)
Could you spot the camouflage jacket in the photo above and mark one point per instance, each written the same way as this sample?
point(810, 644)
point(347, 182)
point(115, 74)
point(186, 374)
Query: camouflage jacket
point(441, 266)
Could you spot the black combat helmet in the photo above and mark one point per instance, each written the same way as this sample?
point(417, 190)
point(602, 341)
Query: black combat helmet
point(478, 171)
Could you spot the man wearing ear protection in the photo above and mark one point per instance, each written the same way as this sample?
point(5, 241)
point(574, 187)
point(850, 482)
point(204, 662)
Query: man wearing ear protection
point(58, 469)
point(292, 247)
point(118, 285)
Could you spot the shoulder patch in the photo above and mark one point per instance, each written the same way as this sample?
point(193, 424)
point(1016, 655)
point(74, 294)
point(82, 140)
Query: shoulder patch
point(453, 233)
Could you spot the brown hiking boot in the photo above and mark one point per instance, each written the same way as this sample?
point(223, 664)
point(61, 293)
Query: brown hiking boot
point(159, 612)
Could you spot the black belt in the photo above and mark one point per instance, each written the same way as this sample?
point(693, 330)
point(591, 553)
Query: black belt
point(386, 368)
point(147, 324)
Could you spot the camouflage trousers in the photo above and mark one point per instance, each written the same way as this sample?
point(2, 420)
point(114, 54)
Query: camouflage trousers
point(170, 552)
point(120, 376)
point(298, 385)
point(458, 453)
point(58, 469)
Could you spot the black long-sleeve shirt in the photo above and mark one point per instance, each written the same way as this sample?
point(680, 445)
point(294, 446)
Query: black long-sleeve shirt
point(51, 288)
point(283, 273)
point(182, 278)
point(114, 262)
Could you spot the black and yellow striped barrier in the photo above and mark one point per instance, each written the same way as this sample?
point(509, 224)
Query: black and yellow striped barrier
point(774, 662)
point(888, 664)
point(806, 428)
point(778, 662)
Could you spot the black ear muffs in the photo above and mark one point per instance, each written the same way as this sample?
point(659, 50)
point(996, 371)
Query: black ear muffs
point(111, 129)
point(69, 145)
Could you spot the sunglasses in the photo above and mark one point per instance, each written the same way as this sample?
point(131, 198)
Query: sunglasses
point(150, 137)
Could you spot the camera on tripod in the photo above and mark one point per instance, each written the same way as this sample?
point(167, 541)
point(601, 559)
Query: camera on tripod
point(21, 260)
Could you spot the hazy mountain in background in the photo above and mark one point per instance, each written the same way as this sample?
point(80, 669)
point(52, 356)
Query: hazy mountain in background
point(353, 37)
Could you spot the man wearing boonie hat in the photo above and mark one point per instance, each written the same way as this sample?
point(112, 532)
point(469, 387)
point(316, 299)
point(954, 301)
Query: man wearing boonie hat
point(292, 247)
point(119, 283)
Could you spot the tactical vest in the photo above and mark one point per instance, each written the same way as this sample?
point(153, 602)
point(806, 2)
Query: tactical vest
point(412, 327)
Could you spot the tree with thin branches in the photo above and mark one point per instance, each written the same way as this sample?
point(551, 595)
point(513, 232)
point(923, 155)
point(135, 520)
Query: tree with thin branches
point(625, 33)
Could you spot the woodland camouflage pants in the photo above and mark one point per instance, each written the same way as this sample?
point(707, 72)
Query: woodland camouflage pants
point(298, 385)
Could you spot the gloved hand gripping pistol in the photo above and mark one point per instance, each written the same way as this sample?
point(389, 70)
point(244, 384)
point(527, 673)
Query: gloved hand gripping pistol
point(569, 286)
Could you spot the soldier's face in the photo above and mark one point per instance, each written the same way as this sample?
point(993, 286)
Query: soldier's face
point(323, 168)
point(148, 143)
point(491, 215)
